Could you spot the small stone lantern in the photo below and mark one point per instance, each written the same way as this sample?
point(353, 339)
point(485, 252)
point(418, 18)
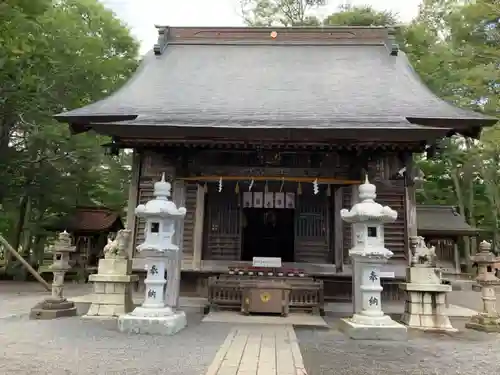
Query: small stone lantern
point(155, 316)
point(489, 319)
point(57, 306)
point(368, 255)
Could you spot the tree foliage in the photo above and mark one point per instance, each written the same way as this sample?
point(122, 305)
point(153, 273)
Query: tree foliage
point(280, 12)
point(56, 55)
point(364, 15)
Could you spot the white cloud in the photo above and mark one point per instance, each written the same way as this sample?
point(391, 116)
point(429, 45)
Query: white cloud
point(142, 15)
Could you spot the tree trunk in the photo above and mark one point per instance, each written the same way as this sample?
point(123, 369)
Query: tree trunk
point(489, 174)
point(461, 208)
point(18, 228)
point(7, 124)
point(469, 169)
point(39, 249)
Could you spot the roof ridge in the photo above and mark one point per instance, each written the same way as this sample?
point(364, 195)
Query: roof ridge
point(332, 35)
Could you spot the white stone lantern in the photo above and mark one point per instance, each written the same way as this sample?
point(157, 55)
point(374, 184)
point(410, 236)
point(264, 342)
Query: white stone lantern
point(368, 256)
point(155, 316)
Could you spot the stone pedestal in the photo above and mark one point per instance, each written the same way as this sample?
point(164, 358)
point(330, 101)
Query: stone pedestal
point(370, 322)
point(160, 321)
point(425, 305)
point(489, 319)
point(368, 255)
point(56, 305)
point(155, 316)
point(113, 285)
point(52, 309)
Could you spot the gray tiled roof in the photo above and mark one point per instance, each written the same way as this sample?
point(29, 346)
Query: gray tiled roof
point(274, 85)
point(442, 220)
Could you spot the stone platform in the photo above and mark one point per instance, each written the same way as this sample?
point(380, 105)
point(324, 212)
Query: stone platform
point(52, 309)
point(392, 331)
point(484, 322)
point(293, 319)
point(164, 321)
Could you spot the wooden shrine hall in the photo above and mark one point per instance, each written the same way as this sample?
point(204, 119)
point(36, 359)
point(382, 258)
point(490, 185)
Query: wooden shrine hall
point(265, 134)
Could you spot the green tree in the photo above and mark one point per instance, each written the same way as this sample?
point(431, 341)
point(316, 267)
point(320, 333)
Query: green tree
point(280, 12)
point(364, 15)
point(454, 46)
point(55, 56)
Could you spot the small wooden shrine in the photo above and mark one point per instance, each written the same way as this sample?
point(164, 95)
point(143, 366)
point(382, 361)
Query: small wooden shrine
point(90, 228)
point(265, 134)
point(443, 227)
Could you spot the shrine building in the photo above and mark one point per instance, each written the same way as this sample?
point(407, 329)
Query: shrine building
point(265, 134)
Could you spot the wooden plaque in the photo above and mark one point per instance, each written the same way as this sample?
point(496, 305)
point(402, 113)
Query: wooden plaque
point(290, 200)
point(247, 199)
point(269, 200)
point(279, 200)
point(258, 199)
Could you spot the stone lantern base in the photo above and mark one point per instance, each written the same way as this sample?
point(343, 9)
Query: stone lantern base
point(484, 322)
point(53, 308)
point(380, 328)
point(153, 321)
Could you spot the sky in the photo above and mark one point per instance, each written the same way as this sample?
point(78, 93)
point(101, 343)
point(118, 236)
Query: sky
point(142, 15)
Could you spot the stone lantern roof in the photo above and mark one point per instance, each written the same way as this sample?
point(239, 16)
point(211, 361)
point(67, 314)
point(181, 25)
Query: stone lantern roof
point(160, 205)
point(367, 209)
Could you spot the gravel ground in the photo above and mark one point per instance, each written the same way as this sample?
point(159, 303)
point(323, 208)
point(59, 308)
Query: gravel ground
point(463, 353)
point(79, 346)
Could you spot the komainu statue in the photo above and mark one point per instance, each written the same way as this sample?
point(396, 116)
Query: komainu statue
point(117, 248)
point(424, 256)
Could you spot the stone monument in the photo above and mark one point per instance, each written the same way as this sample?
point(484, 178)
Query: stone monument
point(113, 282)
point(56, 305)
point(489, 319)
point(425, 293)
point(368, 255)
point(155, 316)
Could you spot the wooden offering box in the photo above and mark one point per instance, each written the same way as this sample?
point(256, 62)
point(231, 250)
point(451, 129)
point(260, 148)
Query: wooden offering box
point(265, 297)
point(229, 291)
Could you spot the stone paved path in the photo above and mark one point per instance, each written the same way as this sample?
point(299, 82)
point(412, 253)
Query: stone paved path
point(259, 350)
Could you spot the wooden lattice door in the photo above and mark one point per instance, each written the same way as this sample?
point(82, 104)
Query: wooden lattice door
point(312, 243)
point(223, 227)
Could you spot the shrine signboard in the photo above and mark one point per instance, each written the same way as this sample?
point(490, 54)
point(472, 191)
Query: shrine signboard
point(266, 262)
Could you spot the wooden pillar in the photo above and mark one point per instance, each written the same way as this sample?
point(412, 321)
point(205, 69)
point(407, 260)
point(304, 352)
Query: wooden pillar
point(456, 256)
point(179, 198)
point(199, 219)
point(356, 272)
point(354, 200)
point(411, 219)
point(133, 195)
point(410, 207)
point(338, 230)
